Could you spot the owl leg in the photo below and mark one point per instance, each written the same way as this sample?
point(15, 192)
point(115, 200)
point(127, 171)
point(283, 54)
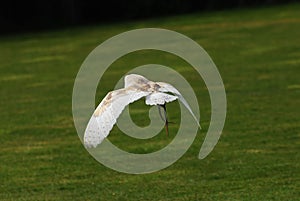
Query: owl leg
point(164, 117)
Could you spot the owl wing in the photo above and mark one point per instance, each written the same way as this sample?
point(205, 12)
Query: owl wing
point(107, 112)
point(165, 87)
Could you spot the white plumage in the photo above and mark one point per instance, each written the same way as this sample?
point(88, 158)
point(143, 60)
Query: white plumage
point(110, 108)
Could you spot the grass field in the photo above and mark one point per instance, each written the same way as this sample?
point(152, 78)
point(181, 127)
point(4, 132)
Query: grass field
point(257, 52)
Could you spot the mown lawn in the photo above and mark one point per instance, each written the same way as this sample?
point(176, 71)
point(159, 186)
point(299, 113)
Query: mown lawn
point(257, 52)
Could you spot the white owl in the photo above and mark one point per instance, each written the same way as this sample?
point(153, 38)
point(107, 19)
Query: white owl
point(110, 108)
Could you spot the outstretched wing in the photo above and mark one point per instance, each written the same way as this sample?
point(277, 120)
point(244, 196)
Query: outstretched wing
point(165, 87)
point(107, 112)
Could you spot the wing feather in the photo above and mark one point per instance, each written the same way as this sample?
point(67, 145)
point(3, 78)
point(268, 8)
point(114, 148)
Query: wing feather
point(165, 87)
point(107, 112)
point(158, 98)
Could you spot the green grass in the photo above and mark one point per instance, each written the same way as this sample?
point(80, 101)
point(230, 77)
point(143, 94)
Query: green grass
point(257, 52)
